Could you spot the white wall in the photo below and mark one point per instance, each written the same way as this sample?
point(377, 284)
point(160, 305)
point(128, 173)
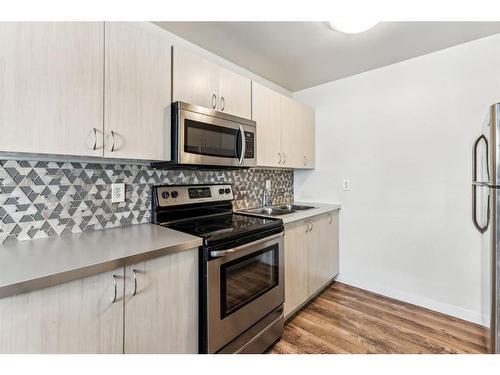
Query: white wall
point(402, 134)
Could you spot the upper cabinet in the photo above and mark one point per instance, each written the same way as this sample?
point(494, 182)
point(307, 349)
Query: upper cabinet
point(235, 94)
point(195, 80)
point(285, 130)
point(307, 130)
point(266, 105)
point(199, 81)
point(291, 143)
point(71, 88)
point(51, 91)
point(137, 92)
point(105, 90)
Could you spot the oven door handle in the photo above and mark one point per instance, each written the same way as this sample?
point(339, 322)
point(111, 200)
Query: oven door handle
point(222, 253)
point(243, 145)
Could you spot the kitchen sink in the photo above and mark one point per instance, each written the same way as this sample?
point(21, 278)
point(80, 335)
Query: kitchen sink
point(293, 207)
point(277, 210)
point(268, 211)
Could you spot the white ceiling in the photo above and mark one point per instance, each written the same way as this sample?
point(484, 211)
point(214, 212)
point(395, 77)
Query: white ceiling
point(297, 55)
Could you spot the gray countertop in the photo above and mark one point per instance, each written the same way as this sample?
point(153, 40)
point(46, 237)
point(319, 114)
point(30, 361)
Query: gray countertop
point(29, 265)
point(319, 208)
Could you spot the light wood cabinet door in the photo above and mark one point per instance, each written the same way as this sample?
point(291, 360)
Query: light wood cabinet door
point(333, 243)
point(235, 94)
point(195, 79)
point(291, 142)
point(322, 251)
point(75, 317)
point(162, 316)
point(137, 91)
point(296, 266)
point(267, 115)
point(51, 89)
point(307, 137)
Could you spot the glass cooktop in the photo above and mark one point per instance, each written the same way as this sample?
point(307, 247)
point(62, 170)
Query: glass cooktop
point(226, 226)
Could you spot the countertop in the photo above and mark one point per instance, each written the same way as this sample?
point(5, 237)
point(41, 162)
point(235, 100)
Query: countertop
point(30, 265)
point(319, 208)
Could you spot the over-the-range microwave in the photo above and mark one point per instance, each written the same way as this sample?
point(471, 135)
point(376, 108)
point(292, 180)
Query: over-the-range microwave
point(208, 138)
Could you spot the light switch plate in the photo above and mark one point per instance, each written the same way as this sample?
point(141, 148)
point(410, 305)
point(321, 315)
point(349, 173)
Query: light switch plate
point(117, 193)
point(346, 185)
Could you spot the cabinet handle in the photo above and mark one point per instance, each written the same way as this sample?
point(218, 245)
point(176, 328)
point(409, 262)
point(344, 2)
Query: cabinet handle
point(115, 289)
point(112, 141)
point(214, 101)
point(331, 218)
point(279, 157)
point(134, 292)
point(312, 226)
point(94, 147)
point(309, 226)
point(222, 103)
point(305, 160)
point(284, 158)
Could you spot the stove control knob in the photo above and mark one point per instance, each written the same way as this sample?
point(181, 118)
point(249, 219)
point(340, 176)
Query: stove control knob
point(165, 195)
point(228, 190)
point(174, 194)
point(221, 191)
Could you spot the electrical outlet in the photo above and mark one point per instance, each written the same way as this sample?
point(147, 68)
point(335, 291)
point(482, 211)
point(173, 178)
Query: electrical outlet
point(346, 185)
point(117, 193)
point(268, 184)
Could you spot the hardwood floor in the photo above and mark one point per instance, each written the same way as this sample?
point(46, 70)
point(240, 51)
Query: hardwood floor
point(344, 319)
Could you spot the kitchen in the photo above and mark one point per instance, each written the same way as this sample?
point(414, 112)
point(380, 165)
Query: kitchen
point(158, 195)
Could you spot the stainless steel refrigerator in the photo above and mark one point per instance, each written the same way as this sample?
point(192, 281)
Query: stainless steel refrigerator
point(486, 219)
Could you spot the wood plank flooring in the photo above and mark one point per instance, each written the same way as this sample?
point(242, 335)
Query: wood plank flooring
point(344, 319)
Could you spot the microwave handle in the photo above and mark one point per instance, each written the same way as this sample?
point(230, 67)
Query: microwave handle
point(243, 145)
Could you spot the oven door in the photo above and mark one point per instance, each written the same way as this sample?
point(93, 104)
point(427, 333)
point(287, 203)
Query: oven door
point(244, 284)
point(205, 139)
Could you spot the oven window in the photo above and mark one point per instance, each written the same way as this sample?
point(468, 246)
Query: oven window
point(245, 279)
point(211, 140)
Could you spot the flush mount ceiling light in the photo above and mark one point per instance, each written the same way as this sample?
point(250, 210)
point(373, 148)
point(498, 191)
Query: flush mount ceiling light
point(352, 27)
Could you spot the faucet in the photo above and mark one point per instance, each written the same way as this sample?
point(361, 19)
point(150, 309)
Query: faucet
point(267, 197)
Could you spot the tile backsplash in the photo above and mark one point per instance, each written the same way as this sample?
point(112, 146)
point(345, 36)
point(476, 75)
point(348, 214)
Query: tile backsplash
point(41, 199)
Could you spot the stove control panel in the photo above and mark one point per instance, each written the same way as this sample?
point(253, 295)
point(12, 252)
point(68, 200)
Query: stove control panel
point(199, 192)
point(175, 195)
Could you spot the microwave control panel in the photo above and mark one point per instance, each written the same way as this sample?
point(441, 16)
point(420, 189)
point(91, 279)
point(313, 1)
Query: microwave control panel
point(250, 145)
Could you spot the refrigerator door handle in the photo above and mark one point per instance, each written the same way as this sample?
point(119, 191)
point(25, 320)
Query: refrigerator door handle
point(480, 228)
point(474, 159)
point(476, 184)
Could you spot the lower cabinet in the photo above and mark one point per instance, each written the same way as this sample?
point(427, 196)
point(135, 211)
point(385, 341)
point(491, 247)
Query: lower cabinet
point(107, 313)
point(76, 317)
point(296, 266)
point(323, 254)
point(161, 305)
point(311, 258)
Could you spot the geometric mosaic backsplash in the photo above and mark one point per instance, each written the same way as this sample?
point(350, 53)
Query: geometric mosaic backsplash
point(40, 199)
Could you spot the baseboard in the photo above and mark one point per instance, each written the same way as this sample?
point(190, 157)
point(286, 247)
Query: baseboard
point(414, 299)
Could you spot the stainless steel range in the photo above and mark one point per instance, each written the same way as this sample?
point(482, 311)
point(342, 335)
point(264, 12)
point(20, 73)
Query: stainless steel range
point(241, 266)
